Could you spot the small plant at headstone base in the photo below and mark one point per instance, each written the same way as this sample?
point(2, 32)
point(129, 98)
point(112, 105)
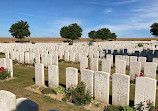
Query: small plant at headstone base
point(113, 108)
point(59, 90)
point(33, 42)
point(15, 61)
point(88, 68)
point(150, 106)
point(4, 74)
point(78, 95)
point(97, 104)
point(47, 91)
point(140, 45)
point(90, 43)
point(60, 60)
point(1, 53)
point(141, 74)
point(70, 43)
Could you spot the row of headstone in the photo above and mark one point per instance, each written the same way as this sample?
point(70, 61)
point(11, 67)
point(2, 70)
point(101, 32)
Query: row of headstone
point(8, 65)
point(98, 85)
point(10, 103)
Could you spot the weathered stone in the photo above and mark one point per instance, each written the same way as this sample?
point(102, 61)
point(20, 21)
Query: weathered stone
point(72, 56)
point(120, 89)
point(3, 62)
point(27, 58)
point(32, 58)
point(7, 101)
point(71, 77)
point(21, 55)
point(145, 90)
point(53, 76)
point(133, 59)
point(66, 56)
point(94, 64)
point(24, 104)
point(87, 76)
point(126, 58)
point(101, 86)
point(135, 68)
point(83, 63)
point(109, 56)
point(106, 65)
point(9, 65)
point(55, 60)
point(155, 60)
point(150, 69)
point(117, 58)
point(143, 61)
point(120, 67)
point(39, 74)
point(37, 58)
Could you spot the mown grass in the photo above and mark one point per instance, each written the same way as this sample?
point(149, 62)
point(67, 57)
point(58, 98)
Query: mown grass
point(25, 77)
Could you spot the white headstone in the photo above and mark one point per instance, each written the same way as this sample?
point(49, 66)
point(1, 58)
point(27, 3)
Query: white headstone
point(7, 101)
point(94, 64)
point(106, 65)
point(150, 69)
point(71, 77)
point(101, 86)
point(87, 76)
point(120, 67)
point(120, 89)
point(145, 90)
point(39, 74)
point(135, 68)
point(53, 76)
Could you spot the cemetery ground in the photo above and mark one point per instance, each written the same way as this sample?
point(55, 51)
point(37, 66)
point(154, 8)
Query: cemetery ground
point(24, 77)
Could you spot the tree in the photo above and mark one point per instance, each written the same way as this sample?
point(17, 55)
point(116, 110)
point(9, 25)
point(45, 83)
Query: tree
point(104, 34)
point(154, 29)
point(113, 36)
point(20, 30)
point(73, 32)
point(92, 34)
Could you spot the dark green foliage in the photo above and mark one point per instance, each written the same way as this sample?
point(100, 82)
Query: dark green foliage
point(140, 45)
point(73, 32)
point(20, 30)
point(71, 43)
point(47, 91)
point(154, 29)
point(90, 43)
point(3, 73)
point(1, 53)
point(105, 34)
point(92, 34)
point(113, 108)
point(59, 90)
point(33, 42)
point(60, 60)
point(78, 95)
point(6, 42)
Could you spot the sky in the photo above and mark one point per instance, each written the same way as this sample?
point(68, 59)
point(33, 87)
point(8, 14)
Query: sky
point(126, 18)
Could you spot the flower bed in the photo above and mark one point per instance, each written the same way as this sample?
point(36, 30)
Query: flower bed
point(4, 74)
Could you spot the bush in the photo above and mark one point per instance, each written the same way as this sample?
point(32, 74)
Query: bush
point(47, 91)
point(59, 90)
point(33, 42)
point(15, 61)
point(1, 53)
point(113, 108)
point(140, 45)
point(60, 60)
point(78, 95)
point(6, 42)
point(90, 43)
point(71, 43)
point(3, 73)
point(97, 104)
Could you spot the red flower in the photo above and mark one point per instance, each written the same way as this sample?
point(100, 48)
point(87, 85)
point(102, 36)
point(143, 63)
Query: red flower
point(16, 60)
point(155, 110)
point(71, 85)
point(137, 75)
point(0, 71)
point(2, 68)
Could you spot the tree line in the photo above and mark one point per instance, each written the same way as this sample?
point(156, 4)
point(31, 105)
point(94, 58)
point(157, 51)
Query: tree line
point(72, 32)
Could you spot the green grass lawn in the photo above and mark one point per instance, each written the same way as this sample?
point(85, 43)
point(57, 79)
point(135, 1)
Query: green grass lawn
point(24, 77)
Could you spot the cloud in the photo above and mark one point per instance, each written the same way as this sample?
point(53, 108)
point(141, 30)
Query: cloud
point(112, 3)
point(107, 11)
point(123, 2)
